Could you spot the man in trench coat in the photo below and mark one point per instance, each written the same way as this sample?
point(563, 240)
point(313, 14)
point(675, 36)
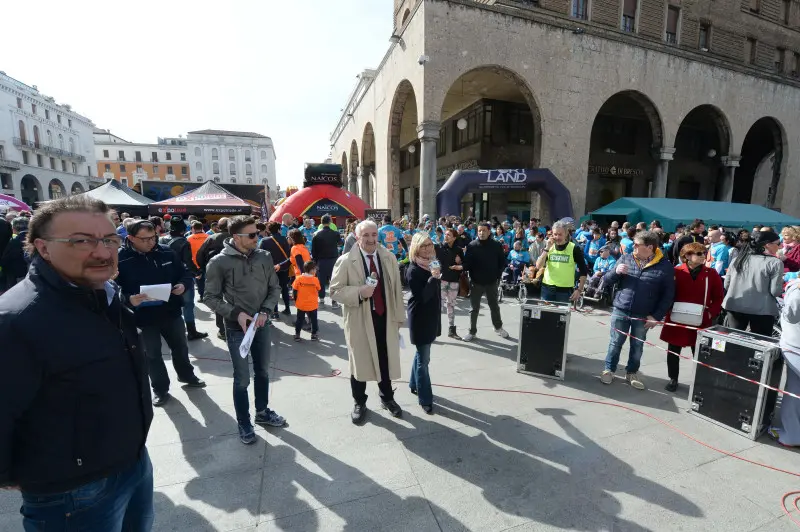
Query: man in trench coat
point(373, 314)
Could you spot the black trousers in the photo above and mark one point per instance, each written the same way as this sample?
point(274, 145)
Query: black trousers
point(673, 361)
point(220, 323)
point(359, 388)
point(283, 279)
point(758, 323)
point(476, 292)
point(301, 319)
point(325, 273)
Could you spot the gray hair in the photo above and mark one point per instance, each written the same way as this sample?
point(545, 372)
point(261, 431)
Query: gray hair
point(19, 224)
point(562, 225)
point(364, 225)
point(648, 238)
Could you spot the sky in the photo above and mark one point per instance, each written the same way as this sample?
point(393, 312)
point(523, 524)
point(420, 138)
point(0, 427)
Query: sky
point(146, 69)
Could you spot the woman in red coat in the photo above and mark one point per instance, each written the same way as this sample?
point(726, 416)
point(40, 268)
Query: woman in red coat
point(690, 286)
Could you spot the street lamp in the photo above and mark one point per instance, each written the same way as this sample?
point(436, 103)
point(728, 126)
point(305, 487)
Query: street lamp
point(712, 152)
point(461, 124)
point(412, 149)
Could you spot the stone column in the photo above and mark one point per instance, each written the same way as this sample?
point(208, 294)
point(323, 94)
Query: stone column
point(729, 165)
point(663, 156)
point(352, 184)
point(363, 184)
point(428, 134)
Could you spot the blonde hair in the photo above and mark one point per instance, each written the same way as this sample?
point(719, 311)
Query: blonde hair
point(792, 230)
point(417, 240)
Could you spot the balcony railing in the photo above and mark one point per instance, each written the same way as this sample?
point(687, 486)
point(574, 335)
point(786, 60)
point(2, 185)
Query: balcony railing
point(672, 38)
point(628, 23)
point(12, 165)
point(49, 150)
point(24, 143)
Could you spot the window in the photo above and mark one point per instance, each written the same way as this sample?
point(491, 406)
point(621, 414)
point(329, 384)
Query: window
point(673, 15)
point(71, 145)
point(49, 138)
point(470, 134)
point(249, 181)
point(787, 12)
point(704, 42)
point(108, 167)
point(780, 59)
point(755, 6)
point(441, 144)
point(69, 122)
point(197, 152)
point(19, 103)
point(139, 168)
point(122, 168)
point(121, 155)
point(52, 163)
point(33, 108)
point(155, 169)
point(64, 165)
point(580, 9)
point(750, 47)
point(184, 170)
point(47, 114)
point(24, 157)
point(248, 169)
point(2, 152)
point(198, 165)
point(169, 156)
point(36, 137)
point(23, 135)
point(216, 179)
point(58, 118)
point(231, 155)
point(519, 123)
point(183, 156)
point(39, 161)
point(75, 168)
point(232, 169)
point(263, 154)
point(105, 152)
point(60, 141)
point(216, 168)
point(247, 155)
point(263, 168)
point(796, 65)
point(214, 154)
point(629, 15)
point(138, 156)
point(169, 170)
point(88, 169)
point(233, 180)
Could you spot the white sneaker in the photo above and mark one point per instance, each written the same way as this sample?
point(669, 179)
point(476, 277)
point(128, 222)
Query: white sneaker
point(607, 377)
point(501, 332)
point(635, 380)
point(468, 337)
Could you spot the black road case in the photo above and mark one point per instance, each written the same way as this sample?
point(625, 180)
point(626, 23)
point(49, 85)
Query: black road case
point(737, 405)
point(543, 334)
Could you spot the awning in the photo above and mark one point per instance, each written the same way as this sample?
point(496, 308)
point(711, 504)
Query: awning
point(208, 199)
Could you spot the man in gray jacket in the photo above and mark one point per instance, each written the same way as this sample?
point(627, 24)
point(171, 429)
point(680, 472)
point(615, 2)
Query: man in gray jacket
point(242, 287)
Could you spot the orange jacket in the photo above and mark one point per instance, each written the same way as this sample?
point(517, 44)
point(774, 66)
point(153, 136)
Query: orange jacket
point(195, 241)
point(307, 288)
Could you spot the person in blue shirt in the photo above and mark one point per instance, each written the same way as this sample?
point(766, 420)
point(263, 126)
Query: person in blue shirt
point(626, 244)
point(719, 254)
point(287, 224)
point(308, 231)
point(505, 238)
point(391, 237)
point(595, 241)
point(471, 231)
point(604, 263)
point(438, 236)
point(518, 260)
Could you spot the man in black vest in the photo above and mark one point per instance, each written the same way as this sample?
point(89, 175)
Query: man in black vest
point(325, 246)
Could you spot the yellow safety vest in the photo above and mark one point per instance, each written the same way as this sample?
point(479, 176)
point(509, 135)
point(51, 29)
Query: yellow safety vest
point(560, 268)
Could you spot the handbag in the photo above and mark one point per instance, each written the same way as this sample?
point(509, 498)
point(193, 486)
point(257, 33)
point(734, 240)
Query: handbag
point(463, 285)
point(689, 313)
point(292, 270)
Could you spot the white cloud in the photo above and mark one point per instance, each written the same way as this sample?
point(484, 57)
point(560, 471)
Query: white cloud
point(150, 68)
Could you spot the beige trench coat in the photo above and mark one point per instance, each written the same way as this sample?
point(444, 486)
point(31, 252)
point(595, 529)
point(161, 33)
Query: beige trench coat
point(359, 334)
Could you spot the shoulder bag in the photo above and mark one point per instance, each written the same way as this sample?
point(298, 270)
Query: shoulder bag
point(292, 270)
point(689, 313)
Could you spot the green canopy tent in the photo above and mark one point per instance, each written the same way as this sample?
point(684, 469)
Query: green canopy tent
point(672, 212)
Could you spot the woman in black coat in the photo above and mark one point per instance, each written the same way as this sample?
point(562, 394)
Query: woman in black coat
point(424, 313)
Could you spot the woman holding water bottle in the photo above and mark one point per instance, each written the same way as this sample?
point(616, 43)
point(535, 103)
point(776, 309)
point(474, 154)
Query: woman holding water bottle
point(424, 313)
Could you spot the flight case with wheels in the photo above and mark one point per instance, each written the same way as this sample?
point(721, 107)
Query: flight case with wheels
point(734, 404)
point(543, 334)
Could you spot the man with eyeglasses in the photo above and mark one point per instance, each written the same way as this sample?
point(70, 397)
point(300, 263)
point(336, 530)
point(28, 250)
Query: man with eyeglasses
point(142, 262)
point(242, 286)
point(74, 405)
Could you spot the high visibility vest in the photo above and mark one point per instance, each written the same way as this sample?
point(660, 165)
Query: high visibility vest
point(560, 268)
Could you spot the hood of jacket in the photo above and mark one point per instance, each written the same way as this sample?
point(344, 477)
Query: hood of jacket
point(230, 250)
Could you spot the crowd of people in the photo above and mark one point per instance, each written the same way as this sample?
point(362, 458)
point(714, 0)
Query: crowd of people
point(77, 405)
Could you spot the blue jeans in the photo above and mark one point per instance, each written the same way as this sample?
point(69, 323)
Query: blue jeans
point(420, 379)
point(259, 352)
point(622, 320)
point(122, 501)
point(188, 304)
point(551, 294)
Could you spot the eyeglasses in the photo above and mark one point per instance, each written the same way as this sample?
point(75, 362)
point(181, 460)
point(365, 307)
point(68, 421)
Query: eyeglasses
point(695, 253)
point(88, 244)
point(146, 238)
point(251, 236)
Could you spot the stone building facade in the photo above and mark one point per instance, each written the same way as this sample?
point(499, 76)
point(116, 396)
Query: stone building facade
point(633, 97)
point(131, 163)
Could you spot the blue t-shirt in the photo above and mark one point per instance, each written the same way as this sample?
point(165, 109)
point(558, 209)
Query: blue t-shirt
point(627, 245)
point(720, 255)
point(472, 233)
point(122, 232)
point(592, 249)
point(604, 265)
point(518, 257)
point(285, 230)
point(389, 237)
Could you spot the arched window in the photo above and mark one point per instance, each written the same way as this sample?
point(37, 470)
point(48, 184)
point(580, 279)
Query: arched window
point(200, 178)
point(198, 165)
point(246, 155)
point(248, 169)
point(197, 152)
point(49, 138)
point(263, 154)
point(23, 135)
point(214, 154)
point(233, 180)
point(216, 179)
point(233, 169)
point(36, 136)
point(216, 168)
point(263, 168)
point(60, 141)
point(249, 181)
point(71, 145)
point(263, 181)
point(231, 155)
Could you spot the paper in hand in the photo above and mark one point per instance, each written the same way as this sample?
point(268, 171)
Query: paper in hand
point(247, 341)
point(161, 292)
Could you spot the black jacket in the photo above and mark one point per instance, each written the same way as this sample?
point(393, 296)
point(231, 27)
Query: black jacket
point(211, 247)
point(485, 261)
point(74, 399)
point(14, 262)
point(326, 243)
point(279, 249)
point(159, 266)
point(446, 256)
point(183, 249)
point(424, 306)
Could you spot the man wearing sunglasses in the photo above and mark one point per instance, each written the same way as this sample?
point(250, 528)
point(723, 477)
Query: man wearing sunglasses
point(143, 261)
point(242, 286)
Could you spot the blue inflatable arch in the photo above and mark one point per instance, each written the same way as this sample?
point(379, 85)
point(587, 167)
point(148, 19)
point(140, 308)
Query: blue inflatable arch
point(448, 199)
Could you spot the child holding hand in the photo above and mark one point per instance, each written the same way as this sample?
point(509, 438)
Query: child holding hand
point(306, 287)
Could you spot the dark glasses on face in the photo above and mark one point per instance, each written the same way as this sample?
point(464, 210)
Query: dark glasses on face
point(696, 253)
point(248, 235)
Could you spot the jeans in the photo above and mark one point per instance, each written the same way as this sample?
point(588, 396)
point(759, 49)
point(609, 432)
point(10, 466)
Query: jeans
point(550, 293)
point(259, 352)
point(283, 279)
point(325, 273)
point(622, 320)
point(120, 502)
point(420, 379)
point(188, 304)
point(475, 293)
point(201, 284)
point(301, 319)
point(174, 332)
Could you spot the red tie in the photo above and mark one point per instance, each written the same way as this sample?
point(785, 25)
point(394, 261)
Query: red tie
point(377, 295)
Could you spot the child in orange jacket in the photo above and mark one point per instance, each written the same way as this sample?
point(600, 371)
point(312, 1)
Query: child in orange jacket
point(307, 289)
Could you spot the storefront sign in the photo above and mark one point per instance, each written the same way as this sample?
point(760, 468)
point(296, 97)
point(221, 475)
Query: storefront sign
point(505, 179)
point(447, 171)
point(377, 214)
point(322, 174)
point(617, 171)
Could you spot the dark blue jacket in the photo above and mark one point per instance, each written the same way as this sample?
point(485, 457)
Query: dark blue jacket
point(14, 262)
point(646, 291)
point(424, 306)
point(159, 266)
point(74, 397)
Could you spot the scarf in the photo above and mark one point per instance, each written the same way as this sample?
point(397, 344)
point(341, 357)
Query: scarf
point(694, 272)
point(425, 264)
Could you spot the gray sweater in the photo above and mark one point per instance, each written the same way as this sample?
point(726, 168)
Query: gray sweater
point(790, 319)
point(753, 291)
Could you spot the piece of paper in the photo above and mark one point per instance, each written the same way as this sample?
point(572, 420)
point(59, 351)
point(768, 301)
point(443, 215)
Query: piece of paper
point(247, 341)
point(160, 292)
point(402, 342)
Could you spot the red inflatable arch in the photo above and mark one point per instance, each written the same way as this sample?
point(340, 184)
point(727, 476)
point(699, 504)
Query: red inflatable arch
point(322, 199)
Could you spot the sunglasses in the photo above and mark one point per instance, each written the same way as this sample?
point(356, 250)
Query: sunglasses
point(696, 253)
point(251, 236)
